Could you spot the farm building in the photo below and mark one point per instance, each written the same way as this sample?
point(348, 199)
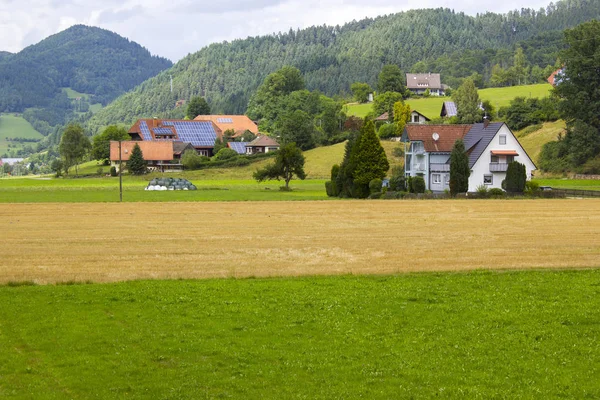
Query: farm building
point(238, 123)
point(200, 134)
point(448, 109)
point(262, 144)
point(420, 83)
point(490, 146)
point(161, 155)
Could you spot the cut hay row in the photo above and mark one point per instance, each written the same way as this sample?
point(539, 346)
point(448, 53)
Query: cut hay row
point(49, 242)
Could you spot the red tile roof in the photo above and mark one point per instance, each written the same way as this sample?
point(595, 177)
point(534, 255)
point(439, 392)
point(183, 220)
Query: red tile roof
point(263, 141)
point(448, 134)
point(152, 150)
point(239, 123)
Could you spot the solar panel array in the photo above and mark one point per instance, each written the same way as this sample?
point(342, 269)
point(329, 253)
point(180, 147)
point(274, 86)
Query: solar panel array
point(225, 120)
point(163, 131)
point(145, 131)
point(450, 108)
point(198, 133)
point(239, 147)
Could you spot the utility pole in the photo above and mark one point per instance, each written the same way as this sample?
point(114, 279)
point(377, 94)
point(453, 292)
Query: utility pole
point(120, 174)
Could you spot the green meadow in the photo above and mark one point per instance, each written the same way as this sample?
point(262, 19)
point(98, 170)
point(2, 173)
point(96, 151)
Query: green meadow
point(14, 126)
point(432, 106)
point(481, 335)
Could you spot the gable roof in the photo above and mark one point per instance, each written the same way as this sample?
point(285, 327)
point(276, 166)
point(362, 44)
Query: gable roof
point(263, 141)
point(239, 123)
point(152, 150)
point(478, 138)
point(383, 117)
point(448, 134)
point(424, 116)
point(180, 147)
point(448, 109)
point(239, 147)
point(198, 133)
point(423, 81)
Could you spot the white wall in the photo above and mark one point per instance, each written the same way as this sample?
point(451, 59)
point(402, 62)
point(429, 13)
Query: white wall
point(482, 166)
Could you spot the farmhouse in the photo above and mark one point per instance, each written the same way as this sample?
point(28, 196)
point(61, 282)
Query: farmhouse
point(200, 134)
point(420, 83)
point(237, 123)
point(490, 146)
point(160, 155)
point(262, 144)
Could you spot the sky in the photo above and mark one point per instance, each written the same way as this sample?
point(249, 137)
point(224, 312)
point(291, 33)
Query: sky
point(175, 28)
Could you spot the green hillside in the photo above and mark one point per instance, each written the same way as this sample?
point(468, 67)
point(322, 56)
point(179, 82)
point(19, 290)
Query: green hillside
point(432, 106)
point(533, 142)
point(332, 58)
point(12, 126)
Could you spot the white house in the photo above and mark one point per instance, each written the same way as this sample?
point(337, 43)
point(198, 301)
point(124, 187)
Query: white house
point(418, 118)
point(420, 83)
point(490, 146)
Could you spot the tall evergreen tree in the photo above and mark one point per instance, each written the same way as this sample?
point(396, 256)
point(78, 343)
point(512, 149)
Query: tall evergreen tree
point(467, 103)
point(516, 177)
point(368, 160)
point(136, 164)
point(459, 169)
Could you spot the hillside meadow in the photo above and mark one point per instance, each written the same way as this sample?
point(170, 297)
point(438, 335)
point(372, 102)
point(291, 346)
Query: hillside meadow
point(431, 106)
point(85, 241)
point(15, 126)
point(453, 335)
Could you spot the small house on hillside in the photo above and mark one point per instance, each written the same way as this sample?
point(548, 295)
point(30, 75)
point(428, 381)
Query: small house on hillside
point(159, 154)
point(490, 146)
point(262, 144)
point(237, 123)
point(385, 117)
point(418, 118)
point(239, 147)
point(200, 134)
point(420, 83)
point(556, 77)
point(449, 109)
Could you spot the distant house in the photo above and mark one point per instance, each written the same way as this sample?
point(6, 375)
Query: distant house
point(238, 123)
point(239, 147)
point(556, 77)
point(385, 117)
point(262, 144)
point(490, 146)
point(161, 155)
point(418, 118)
point(420, 83)
point(448, 109)
point(200, 134)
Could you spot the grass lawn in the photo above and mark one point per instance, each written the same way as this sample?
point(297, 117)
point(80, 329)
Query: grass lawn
point(12, 126)
point(563, 183)
point(432, 106)
point(453, 335)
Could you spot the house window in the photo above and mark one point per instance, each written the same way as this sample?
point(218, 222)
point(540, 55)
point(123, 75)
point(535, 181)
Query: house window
point(436, 179)
point(502, 139)
point(415, 118)
point(495, 159)
point(510, 159)
point(488, 179)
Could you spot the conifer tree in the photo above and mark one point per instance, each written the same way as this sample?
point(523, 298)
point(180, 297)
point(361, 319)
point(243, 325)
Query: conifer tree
point(459, 169)
point(136, 164)
point(516, 177)
point(368, 160)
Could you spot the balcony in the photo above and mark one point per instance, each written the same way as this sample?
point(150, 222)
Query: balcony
point(498, 167)
point(435, 167)
point(419, 167)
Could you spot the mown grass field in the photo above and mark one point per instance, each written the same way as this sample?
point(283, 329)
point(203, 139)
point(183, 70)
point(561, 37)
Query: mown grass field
point(432, 106)
point(455, 335)
point(12, 126)
point(534, 141)
point(55, 242)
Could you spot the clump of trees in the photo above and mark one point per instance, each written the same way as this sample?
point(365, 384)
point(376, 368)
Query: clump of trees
point(289, 162)
point(101, 142)
point(523, 112)
point(364, 160)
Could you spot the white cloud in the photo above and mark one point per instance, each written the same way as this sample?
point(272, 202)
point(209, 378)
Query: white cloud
point(174, 28)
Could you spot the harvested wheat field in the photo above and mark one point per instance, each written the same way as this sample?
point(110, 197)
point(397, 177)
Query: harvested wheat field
point(48, 243)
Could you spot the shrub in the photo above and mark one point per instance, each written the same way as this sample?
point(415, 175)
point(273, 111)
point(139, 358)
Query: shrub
point(375, 195)
point(375, 185)
point(191, 159)
point(225, 154)
point(329, 189)
point(113, 171)
point(515, 177)
point(496, 193)
point(397, 180)
point(398, 151)
point(387, 131)
point(592, 167)
point(532, 188)
point(390, 195)
point(417, 184)
point(100, 171)
point(530, 129)
point(482, 191)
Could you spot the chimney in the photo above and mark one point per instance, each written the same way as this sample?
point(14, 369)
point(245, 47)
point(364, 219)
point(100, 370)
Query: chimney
point(486, 122)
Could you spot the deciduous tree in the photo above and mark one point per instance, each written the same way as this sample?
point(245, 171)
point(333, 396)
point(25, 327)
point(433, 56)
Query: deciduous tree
point(101, 142)
point(197, 106)
point(361, 91)
point(289, 162)
point(391, 79)
point(74, 145)
point(467, 103)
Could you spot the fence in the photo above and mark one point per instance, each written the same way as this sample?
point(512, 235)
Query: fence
point(578, 193)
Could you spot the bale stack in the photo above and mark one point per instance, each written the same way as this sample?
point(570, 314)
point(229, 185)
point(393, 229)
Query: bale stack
point(170, 184)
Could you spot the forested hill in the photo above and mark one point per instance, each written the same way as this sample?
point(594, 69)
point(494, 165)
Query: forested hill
point(87, 59)
point(4, 55)
point(331, 58)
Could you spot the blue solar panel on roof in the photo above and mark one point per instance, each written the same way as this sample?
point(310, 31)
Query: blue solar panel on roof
point(168, 123)
point(198, 133)
point(239, 147)
point(225, 120)
point(163, 131)
point(145, 131)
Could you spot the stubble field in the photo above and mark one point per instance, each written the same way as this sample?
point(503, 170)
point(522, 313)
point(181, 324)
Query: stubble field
point(99, 242)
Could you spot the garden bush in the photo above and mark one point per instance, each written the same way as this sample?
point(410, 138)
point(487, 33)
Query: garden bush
point(496, 193)
point(329, 189)
point(482, 191)
point(225, 154)
point(417, 184)
point(113, 171)
point(375, 185)
point(515, 177)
